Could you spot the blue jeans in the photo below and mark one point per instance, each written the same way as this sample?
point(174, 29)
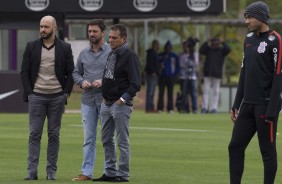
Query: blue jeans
point(151, 83)
point(90, 115)
point(115, 118)
point(185, 106)
point(192, 86)
point(189, 86)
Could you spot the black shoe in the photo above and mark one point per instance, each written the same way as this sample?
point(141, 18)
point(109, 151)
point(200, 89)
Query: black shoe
point(31, 177)
point(104, 178)
point(51, 176)
point(119, 179)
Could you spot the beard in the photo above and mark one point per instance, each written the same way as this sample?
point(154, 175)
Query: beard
point(46, 36)
point(255, 27)
point(94, 40)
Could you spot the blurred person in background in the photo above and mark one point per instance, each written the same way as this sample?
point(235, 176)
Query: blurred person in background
point(152, 70)
point(188, 63)
point(215, 51)
point(169, 65)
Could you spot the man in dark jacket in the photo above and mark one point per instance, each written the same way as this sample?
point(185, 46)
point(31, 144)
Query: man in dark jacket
point(121, 81)
point(46, 75)
point(215, 51)
point(257, 102)
point(152, 70)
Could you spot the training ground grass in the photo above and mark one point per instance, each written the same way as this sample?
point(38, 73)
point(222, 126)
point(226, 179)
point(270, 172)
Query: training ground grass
point(165, 149)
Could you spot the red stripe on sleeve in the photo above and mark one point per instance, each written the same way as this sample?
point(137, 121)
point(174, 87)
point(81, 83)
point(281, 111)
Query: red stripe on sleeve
point(271, 131)
point(278, 67)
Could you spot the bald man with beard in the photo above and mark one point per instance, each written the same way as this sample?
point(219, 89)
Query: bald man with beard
point(46, 74)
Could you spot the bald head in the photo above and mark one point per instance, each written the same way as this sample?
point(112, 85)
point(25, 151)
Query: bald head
point(48, 27)
point(49, 19)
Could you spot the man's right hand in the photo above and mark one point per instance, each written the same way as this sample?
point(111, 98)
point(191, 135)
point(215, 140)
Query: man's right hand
point(233, 114)
point(85, 84)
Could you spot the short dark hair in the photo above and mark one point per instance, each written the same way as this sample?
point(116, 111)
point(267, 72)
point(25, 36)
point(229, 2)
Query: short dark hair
point(154, 42)
point(191, 42)
point(98, 22)
point(122, 29)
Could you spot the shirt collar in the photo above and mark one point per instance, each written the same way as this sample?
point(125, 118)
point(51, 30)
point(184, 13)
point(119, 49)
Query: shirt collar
point(53, 45)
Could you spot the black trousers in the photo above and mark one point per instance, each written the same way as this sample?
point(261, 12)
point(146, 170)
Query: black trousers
point(251, 119)
point(169, 83)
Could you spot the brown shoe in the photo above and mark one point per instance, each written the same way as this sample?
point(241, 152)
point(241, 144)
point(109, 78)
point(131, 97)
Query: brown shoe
point(81, 177)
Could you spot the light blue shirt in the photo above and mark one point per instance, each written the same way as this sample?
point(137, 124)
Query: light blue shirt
point(90, 66)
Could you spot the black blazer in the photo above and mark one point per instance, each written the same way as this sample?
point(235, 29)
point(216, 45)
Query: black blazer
point(127, 80)
point(64, 66)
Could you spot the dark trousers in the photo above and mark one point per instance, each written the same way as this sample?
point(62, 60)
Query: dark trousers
point(188, 88)
point(169, 83)
point(151, 83)
point(39, 108)
point(185, 106)
point(251, 119)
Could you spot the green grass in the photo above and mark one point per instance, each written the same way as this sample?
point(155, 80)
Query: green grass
point(165, 149)
point(74, 100)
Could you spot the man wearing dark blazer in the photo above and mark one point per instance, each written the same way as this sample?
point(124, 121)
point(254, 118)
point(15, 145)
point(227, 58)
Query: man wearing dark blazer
point(46, 75)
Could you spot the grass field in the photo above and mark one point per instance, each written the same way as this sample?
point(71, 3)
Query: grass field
point(165, 149)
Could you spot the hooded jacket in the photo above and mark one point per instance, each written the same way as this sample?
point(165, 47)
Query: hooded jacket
point(214, 59)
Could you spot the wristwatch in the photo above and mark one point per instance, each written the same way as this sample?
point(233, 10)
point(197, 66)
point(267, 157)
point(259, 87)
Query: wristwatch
point(123, 100)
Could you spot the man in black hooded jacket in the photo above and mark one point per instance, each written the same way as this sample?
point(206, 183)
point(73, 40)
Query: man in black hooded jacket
point(215, 51)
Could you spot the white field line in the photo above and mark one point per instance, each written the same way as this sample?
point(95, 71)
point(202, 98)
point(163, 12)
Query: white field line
point(163, 129)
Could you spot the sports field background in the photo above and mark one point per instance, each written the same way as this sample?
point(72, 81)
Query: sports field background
point(165, 149)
